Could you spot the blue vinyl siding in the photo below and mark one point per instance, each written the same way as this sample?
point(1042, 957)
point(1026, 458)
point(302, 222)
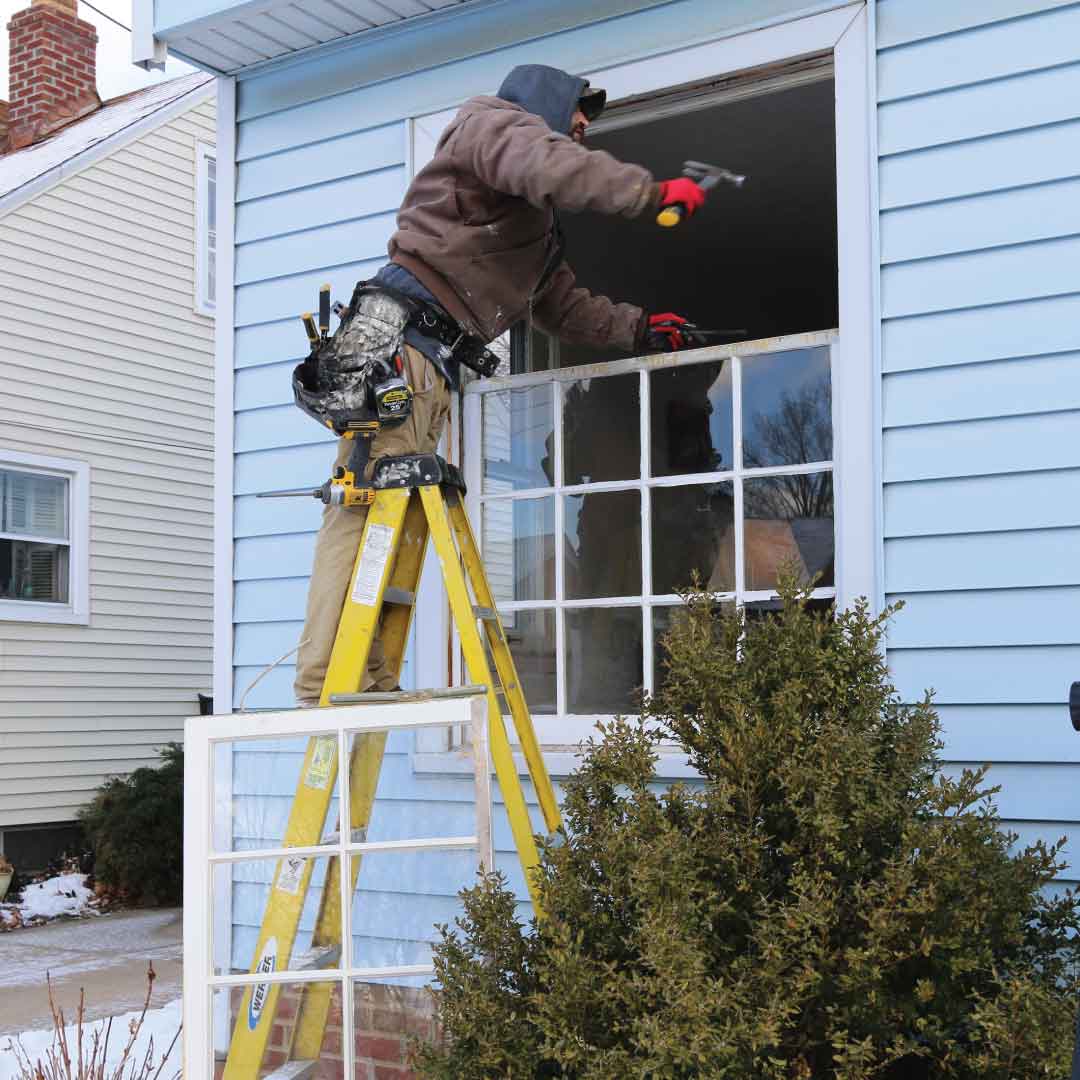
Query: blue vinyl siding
point(321, 169)
point(979, 171)
point(979, 129)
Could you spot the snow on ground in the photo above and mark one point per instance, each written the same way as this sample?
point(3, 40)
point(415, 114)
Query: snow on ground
point(160, 1025)
point(65, 894)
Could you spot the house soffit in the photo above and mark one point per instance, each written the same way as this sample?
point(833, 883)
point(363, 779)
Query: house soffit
point(233, 38)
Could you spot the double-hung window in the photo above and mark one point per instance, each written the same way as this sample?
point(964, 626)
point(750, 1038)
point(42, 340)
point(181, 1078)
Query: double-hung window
point(43, 539)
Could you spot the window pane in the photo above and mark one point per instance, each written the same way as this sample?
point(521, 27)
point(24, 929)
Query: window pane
point(603, 660)
point(602, 544)
point(693, 531)
point(690, 425)
point(789, 519)
point(663, 618)
point(32, 571)
point(35, 504)
point(602, 429)
point(787, 408)
point(248, 889)
point(400, 896)
point(519, 548)
point(274, 1006)
point(518, 439)
point(262, 777)
point(389, 1012)
point(531, 637)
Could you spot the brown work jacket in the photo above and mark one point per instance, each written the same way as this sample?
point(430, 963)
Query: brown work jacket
point(478, 225)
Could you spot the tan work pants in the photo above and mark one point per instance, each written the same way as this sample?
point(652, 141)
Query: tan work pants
point(339, 534)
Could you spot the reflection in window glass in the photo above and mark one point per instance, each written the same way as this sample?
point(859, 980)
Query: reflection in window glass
point(786, 408)
point(603, 660)
point(602, 429)
point(602, 544)
point(693, 532)
point(690, 422)
point(519, 548)
point(517, 439)
point(531, 637)
point(789, 520)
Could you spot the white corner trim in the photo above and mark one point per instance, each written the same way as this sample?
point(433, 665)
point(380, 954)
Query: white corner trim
point(858, 549)
point(77, 610)
point(223, 396)
point(117, 141)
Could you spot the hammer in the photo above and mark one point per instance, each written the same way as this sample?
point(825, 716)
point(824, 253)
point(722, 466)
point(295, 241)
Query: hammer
point(706, 177)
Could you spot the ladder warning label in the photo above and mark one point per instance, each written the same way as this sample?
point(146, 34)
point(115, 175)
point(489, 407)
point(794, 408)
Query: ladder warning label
point(322, 762)
point(291, 875)
point(369, 573)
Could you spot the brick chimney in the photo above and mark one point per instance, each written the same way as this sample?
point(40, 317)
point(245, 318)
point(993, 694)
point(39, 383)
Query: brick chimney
point(3, 126)
point(52, 74)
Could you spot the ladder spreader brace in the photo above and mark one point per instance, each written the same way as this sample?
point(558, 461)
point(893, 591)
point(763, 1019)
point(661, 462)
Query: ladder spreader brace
point(415, 496)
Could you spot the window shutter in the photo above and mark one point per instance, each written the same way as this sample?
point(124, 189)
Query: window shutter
point(44, 573)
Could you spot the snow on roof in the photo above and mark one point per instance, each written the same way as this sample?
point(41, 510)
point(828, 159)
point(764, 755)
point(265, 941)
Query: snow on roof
point(23, 166)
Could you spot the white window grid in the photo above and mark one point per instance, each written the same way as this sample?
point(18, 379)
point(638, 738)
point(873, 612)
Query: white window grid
point(475, 391)
point(207, 928)
point(76, 475)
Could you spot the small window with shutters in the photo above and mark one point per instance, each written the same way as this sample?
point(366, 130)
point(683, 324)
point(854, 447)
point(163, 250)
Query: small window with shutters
point(43, 539)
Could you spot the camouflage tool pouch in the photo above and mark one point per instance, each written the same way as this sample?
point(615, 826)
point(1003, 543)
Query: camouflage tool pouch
point(356, 375)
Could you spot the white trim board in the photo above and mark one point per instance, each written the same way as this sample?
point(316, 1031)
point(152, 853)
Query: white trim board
point(111, 143)
point(224, 420)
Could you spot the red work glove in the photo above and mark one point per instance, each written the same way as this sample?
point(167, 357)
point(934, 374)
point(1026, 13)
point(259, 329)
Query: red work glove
point(664, 334)
point(683, 191)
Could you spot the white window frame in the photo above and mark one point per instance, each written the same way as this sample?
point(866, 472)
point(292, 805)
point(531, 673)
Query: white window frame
point(208, 742)
point(77, 609)
point(845, 32)
point(205, 304)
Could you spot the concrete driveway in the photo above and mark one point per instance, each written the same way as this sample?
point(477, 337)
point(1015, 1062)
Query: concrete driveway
point(107, 956)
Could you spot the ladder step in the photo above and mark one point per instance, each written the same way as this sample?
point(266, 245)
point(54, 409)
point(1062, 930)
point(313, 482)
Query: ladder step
point(385, 697)
point(393, 595)
point(485, 613)
point(326, 956)
point(293, 1070)
point(359, 835)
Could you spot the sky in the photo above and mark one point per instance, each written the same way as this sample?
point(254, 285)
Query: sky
point(116, 74)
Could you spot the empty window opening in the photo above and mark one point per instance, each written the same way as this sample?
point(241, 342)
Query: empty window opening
point(762, 258)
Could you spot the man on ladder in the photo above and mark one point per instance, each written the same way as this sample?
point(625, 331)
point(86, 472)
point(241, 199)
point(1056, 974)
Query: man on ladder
point(478, 247)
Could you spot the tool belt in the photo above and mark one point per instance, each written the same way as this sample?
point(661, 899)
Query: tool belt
point(356, 376)
point(433, 322)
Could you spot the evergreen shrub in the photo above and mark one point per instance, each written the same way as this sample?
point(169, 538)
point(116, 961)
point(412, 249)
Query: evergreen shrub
point(826, 903)
point(135, 827)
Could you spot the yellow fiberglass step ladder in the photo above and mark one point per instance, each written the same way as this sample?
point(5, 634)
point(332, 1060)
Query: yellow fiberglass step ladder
point(410, 497)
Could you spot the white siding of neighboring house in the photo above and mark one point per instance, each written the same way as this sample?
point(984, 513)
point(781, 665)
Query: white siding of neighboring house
point(104, 360)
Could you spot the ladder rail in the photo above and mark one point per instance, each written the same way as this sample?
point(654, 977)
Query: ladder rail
point(380, 599)
point(504, 663)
